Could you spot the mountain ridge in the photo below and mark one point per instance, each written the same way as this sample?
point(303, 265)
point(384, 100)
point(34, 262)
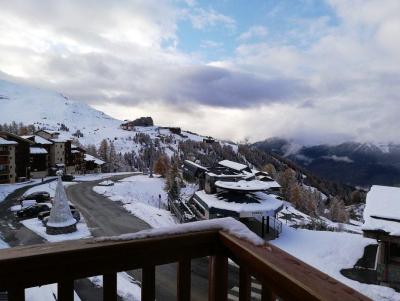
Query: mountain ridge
point(353, 163)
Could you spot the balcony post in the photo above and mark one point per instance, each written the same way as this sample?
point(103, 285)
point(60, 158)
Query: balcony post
point(65, 290)
point(244, 284)
point(148, 283)
point(184, 280)
point(217, 278)
point(16, 294)
point(110, 287)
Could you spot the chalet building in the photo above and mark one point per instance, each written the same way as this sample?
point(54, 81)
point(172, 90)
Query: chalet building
point(231, 189)
point(39, 155)
point(93, 164)
point(382, 222)
point(48, 134)
point(209, 140)
point(77, 160)
point(127, 126)
point(60, 149)
point(142, 121)
point(22, 155)
point(7, 161)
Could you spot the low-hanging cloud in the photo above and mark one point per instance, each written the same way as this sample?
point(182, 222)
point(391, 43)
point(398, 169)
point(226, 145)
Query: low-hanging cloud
point(340, 81)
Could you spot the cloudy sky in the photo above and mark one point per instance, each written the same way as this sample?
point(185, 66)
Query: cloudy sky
point(313, 70)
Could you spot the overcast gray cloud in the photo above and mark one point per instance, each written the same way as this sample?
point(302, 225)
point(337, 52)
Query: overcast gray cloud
point(341, 82)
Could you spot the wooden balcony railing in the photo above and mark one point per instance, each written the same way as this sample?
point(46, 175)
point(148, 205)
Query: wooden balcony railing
point(280, 273)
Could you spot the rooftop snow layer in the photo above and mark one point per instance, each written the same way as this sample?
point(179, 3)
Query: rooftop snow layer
point(96, 160)
point(254, 185)
point(382, 210)
point(232, 165)
point(33, 150)
point(37, 139)
point(6, 142)
point(260, 202)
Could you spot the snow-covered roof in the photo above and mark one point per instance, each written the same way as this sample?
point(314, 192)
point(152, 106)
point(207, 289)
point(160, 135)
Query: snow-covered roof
point(258, 203)
point(254, 185)
point(38, 140)
point(232, 165)
point(7, 142)
point(94, 159)
point(33, 150)
point(59, 140)
point(382, 210)
point(195, 164)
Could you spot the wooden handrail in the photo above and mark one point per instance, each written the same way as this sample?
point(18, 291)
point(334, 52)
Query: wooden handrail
point(280, 273)
point(285, 275)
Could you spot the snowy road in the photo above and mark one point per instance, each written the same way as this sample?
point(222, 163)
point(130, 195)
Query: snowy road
point(105, 217)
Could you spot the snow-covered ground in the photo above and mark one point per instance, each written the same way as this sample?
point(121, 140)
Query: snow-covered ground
point(141, 197)
point(6, 189)
point(330, 252)
point(44, 293)
point(48, 187)
point(292, 217)
point(127, 287)
point(99, 176)
point(36, 226)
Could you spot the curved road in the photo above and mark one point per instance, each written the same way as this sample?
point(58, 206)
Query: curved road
point(108, 218)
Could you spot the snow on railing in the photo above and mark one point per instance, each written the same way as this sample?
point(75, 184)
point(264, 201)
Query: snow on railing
point(227, 224)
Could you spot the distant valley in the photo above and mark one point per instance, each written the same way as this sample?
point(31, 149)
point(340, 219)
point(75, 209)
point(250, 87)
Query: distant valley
point(352, 163)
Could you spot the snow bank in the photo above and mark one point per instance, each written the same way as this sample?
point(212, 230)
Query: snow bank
point(36, 226)
point(139, 188)
point(155, 217)
point(227, 224)
point(330, 252)
point(99, 176)
point(140, 196)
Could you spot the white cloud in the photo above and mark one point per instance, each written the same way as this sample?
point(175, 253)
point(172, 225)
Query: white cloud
point(254, 32)
point(337, 82)
point(202, 18)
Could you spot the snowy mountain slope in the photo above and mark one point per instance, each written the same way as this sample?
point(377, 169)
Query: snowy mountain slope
point(48, 109)
point(353, 163)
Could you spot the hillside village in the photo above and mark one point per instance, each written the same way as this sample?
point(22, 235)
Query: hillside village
point(162, 176)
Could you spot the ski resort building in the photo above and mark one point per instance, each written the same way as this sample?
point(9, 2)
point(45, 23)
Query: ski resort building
point(382, 222)
point(39, 155)
point(76, 160)
point(7, 161)
point(93, 164)
point(22, 155)
point(232, 189)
